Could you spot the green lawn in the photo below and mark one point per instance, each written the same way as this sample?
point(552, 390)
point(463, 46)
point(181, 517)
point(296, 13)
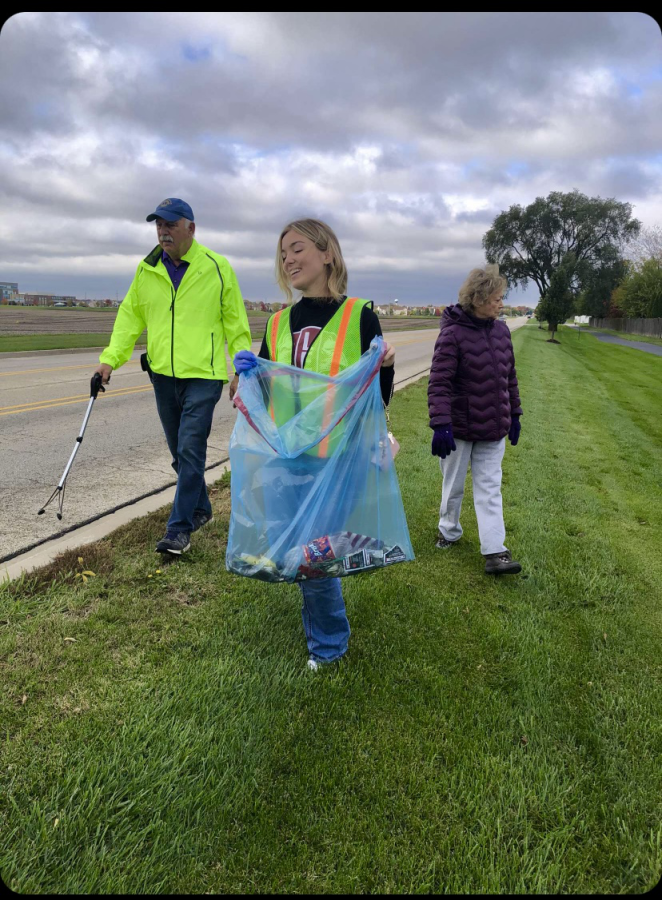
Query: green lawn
point(162, 735)
point(12, 343)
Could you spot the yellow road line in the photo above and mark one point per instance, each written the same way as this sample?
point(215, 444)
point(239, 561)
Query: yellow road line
point(53, 369)
point(63, 401)
point(56, 400)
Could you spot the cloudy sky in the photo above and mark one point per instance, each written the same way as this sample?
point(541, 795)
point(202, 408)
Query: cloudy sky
point(407, 132)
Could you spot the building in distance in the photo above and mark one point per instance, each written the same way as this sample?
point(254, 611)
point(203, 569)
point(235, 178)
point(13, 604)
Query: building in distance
point(46, 300)
point(8, 291)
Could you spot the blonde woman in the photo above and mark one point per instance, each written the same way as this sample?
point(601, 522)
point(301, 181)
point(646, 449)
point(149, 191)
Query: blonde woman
point(324, 331)
point(473, 401)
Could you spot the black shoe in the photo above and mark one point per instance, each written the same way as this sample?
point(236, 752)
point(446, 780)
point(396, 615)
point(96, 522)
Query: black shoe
point(442, 543)
point(501, 564)
point(173, 542)
point(200, 519)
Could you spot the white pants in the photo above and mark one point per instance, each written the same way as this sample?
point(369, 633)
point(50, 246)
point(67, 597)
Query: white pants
point(485, 458)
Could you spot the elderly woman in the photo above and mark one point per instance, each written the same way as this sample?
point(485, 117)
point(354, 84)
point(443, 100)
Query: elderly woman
point(474, 403)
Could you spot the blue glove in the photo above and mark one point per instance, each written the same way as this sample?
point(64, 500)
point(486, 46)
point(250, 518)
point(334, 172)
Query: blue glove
point(244, 360)
point(515, 428)
point(442, 442)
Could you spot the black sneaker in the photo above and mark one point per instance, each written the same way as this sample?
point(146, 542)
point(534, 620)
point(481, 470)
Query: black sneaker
point(501, 564)
point(443, 543)
point(200, 519)
point(173, 542)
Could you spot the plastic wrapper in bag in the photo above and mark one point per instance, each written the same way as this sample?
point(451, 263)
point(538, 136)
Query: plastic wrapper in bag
point(314, 488)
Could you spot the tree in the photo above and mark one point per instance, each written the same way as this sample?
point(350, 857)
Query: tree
point(640, 295)
point(596, 298)
point(532, 243)
point(559, 299)
point(647, 244)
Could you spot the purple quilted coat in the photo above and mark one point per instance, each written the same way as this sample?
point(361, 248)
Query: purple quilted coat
point(473, 384)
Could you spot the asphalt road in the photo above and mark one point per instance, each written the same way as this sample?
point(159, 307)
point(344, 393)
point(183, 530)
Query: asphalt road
point(43, 398)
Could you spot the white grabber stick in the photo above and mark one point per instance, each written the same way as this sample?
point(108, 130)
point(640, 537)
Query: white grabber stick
point(95, 387)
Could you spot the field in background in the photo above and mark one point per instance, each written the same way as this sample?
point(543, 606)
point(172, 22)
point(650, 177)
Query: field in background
point(35, 328)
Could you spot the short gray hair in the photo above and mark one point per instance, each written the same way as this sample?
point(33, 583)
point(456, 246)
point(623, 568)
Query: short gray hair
point(479, 286)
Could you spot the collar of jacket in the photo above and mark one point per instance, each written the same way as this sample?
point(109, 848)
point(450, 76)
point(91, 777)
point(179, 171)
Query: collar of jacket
point(153, 258)
point(455, 315)
point(479, 323)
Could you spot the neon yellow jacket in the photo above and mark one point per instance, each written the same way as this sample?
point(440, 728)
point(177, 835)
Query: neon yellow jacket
point(186, 330)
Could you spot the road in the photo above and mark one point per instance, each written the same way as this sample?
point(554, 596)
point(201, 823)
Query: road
point(43, 398)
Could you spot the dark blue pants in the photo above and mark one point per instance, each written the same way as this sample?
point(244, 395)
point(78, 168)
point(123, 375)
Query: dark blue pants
point(186, 409)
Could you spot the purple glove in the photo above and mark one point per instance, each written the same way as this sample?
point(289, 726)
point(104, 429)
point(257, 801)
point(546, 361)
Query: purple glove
point(442, 442)
point(515, 428)
point(244, 360)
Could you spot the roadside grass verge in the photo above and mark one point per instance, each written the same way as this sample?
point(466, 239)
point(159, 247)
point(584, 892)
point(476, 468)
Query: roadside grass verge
point(12, 343)
point(162, 735)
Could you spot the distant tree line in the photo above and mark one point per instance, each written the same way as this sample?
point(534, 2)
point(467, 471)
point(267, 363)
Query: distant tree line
point(585, 254)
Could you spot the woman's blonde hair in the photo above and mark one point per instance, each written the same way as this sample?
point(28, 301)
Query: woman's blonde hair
point(479, 286)
point(324, 239)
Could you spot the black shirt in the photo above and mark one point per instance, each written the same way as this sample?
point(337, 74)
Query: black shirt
point(309, 316)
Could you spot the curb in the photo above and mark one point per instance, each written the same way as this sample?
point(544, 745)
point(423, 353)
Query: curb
point(95, 531)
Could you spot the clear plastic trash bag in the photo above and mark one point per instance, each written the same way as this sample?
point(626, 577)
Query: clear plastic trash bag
point(314, 488)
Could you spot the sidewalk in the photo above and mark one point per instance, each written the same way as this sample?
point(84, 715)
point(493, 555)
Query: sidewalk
point(638, 345)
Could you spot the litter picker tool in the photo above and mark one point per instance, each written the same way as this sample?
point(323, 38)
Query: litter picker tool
point(95, 387)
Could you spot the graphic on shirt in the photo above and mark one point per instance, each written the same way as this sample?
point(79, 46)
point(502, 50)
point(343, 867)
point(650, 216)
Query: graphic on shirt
point(302, 341)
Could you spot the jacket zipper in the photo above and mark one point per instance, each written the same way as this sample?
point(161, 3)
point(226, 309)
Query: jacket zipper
point(490, 329)
point(172, 332)
point(212, 354)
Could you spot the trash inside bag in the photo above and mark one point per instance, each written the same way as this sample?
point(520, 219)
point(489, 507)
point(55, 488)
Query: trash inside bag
point(314, 488)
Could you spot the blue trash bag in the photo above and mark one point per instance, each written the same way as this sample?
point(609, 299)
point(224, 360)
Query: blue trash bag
point(314, 488)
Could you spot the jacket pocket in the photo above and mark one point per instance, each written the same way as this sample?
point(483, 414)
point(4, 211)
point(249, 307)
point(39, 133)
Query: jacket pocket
point(212, 353)
point(460, 411)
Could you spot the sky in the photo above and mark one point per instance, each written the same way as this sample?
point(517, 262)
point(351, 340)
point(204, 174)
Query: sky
point(407, 132)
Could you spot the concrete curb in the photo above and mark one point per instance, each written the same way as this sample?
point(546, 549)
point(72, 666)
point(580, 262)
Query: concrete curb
point(95, 531)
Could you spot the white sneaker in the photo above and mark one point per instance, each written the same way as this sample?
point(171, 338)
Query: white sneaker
point(313, 665)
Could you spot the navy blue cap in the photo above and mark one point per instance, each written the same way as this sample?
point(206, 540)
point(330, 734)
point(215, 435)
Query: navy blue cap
point(171, 210)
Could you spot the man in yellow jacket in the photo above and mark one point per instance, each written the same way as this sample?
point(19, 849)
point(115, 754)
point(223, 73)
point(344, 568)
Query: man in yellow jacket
point(188, 298)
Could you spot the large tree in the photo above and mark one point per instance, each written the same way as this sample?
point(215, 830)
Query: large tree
point(585, 234)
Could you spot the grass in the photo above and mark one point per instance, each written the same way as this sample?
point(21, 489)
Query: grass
point(13, 343)
point(161, 733)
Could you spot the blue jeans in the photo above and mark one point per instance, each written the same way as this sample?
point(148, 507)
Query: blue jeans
point(186, 409)
point(324, 618)
point(323, 612)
